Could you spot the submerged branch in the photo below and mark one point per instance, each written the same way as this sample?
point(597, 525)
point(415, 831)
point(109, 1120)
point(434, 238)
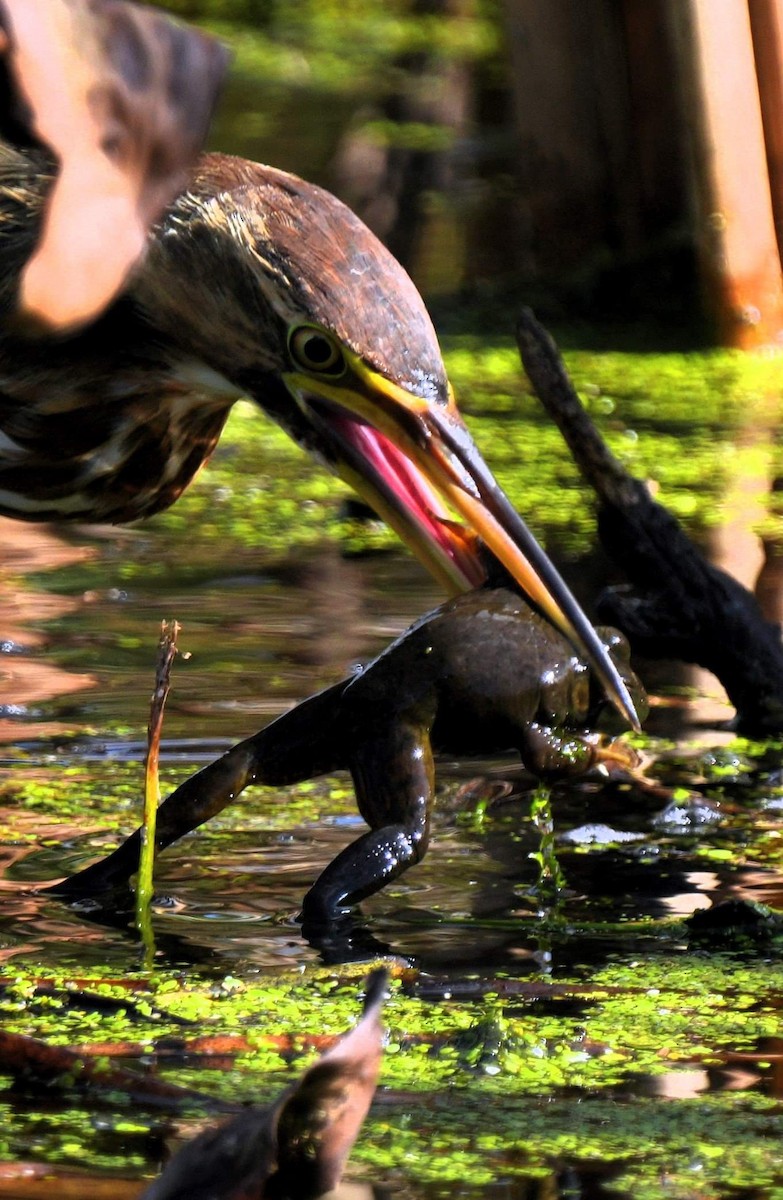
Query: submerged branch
point(37, 1063)
point(42, 1180)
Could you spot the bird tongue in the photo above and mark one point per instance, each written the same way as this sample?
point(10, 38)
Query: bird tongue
point(411, 494)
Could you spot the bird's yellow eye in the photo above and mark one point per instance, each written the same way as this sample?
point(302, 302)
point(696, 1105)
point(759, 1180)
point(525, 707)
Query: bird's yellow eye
point(316, 351)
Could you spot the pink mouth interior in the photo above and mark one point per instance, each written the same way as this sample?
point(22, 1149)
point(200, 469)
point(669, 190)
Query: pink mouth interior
point(411, 492)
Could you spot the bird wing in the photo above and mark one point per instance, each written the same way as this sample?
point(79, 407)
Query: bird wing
point(101, 434)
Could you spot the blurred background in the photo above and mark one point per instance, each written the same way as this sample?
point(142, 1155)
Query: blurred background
point(616, 157)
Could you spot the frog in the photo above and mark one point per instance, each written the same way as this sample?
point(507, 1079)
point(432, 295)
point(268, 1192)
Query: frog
point(481, 674)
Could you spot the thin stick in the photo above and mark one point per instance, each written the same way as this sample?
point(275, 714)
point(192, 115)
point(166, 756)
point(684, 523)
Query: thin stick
point(167, 651)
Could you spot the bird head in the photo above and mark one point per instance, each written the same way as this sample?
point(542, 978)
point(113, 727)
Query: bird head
point(309, 314)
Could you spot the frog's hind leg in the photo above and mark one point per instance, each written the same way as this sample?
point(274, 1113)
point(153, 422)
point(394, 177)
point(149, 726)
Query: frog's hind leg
point(394, 776)
point(299, 745)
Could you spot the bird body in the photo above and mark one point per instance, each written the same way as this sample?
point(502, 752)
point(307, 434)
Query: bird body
point(255, 283)
point(112, 422)
point(94, 425)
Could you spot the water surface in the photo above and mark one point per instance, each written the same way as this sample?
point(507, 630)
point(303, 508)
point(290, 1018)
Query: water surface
point(265, 627)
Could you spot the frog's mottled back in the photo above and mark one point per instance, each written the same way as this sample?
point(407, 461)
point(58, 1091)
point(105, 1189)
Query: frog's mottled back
point(486, 663)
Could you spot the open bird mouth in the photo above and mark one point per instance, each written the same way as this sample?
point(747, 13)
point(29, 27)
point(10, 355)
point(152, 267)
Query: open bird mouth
point(410, 458)
point(401, 494)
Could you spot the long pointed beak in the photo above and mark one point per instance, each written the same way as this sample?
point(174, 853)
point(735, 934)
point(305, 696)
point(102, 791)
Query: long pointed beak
point(406, 456)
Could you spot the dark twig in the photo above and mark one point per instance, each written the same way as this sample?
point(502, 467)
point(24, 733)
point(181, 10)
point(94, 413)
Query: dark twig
point(682, 606)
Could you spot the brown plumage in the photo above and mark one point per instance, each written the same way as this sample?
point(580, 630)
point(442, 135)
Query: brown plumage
point(111, 423)
point(255, 284)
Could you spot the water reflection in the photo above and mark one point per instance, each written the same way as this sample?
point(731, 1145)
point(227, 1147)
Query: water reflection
point(258, 641)
point(28, 676)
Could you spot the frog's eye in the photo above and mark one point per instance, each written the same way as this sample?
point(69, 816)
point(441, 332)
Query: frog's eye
point(316, 351)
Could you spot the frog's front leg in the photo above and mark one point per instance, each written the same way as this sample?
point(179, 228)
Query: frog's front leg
point(552, 753)
point(394, 777)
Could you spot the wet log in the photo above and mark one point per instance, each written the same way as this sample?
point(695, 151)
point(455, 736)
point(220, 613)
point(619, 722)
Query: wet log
point(679, 606)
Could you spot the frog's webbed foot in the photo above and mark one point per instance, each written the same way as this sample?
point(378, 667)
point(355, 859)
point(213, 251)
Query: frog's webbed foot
point(553, 753)
point(614, 752)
